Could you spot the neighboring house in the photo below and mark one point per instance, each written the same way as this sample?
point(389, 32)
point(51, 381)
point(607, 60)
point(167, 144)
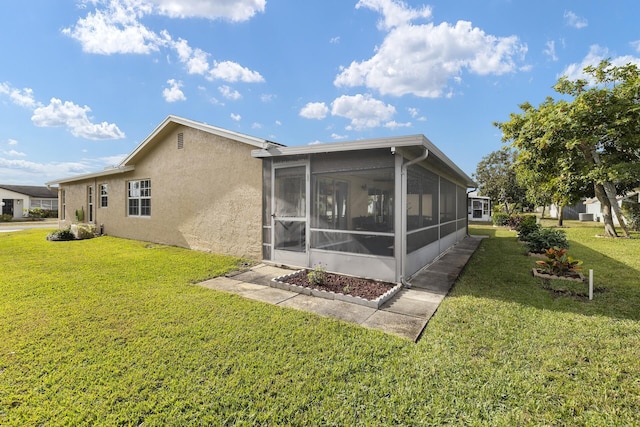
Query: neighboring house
point(17, 200)
point(479, 207)
point(187, 184)
point(568, 212)
point(380, 208)
point(594, 207)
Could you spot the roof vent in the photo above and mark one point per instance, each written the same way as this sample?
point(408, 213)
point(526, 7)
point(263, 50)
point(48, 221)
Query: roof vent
point(180, 141)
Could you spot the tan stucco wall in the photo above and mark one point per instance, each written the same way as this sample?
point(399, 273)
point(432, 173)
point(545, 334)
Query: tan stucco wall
point(205, 196)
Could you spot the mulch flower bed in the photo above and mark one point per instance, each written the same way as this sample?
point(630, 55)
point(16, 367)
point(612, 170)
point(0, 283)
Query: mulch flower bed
point(355, 286)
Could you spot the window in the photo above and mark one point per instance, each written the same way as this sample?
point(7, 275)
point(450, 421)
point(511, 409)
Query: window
point(104, 195)
point(90, 202)
point(139, 198)
point(63, 196)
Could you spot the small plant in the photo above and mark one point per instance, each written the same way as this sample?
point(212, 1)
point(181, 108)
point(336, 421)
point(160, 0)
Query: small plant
point(317, 275)
point(527, 226)
point(6, 218)
point(346, 289)
point(80, 214)
point(500, 219)
point(37, 213)
point(542, 239)
point(559, 263)
point(61, 235)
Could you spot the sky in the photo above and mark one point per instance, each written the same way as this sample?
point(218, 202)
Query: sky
point(83, 82)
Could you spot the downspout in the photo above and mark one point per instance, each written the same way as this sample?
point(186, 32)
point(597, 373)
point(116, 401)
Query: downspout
point(403, 214)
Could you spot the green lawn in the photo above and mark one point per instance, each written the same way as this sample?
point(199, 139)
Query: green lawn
point(113, 332)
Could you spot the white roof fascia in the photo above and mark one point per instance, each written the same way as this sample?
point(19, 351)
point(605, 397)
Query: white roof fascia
point(334, 147)
point(106, 172)
point(250, 140)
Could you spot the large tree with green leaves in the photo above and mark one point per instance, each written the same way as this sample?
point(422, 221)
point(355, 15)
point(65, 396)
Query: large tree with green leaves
point(590, 135)
point(496, 178)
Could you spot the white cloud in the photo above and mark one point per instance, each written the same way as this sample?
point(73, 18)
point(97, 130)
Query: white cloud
point(232, 10)
point(256, 125)
point(75, 119)
point(13, 153)
point(395, 125)
point(267, 97)
point(27, 172)
point(12, 142)
point(594, 57)
point(233, 72)
point(173, 93)
point(23, 98)
point(574, 20)
point(314, 110)
point(363, 111)
point(337, 136)
point(395, 13)
point(229, 93)
point(59, 114)
point(422, 59)
point(116, 29)
point(334, 40)
point(195, 60)
point(550, 50)
point(278, 123)
point(236, 117)
point(635, 45)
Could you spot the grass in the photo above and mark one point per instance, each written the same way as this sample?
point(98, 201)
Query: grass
point(113, 332)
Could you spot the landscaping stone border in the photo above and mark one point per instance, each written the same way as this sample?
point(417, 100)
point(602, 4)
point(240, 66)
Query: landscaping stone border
point(280, 283)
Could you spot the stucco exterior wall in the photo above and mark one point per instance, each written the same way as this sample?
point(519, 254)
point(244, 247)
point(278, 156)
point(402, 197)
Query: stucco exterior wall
point(205, 196)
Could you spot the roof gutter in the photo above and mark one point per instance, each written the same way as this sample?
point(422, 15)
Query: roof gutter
point(403, 196)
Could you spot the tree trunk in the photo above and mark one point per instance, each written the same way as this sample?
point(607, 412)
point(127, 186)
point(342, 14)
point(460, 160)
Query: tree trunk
point(560, 215)
point(543, 208)
point(610, 191)
point(609, 228)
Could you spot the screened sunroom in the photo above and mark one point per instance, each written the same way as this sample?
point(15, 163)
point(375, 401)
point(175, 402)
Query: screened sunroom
point(380, 208)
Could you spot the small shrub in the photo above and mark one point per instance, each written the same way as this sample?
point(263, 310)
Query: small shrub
point(84, 231)
point(37, 213)
point(61, 235)
point(6, 218)
point(540, 240)
point(527, 226)
point(80, 214)
point(500, 219)
point(559, 263)
point(317, 275)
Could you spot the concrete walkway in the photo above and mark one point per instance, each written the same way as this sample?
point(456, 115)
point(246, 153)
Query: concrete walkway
point(406, 314)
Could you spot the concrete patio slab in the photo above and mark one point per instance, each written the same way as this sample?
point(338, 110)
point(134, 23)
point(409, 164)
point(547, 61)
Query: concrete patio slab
point(405, 315)
point(269, 295)
point(348, 312)
point(397, 324)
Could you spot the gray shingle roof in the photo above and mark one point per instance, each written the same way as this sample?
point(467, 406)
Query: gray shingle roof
point(32, 191)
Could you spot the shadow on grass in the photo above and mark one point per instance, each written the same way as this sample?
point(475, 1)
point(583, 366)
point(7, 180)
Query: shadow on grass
point(501, 269)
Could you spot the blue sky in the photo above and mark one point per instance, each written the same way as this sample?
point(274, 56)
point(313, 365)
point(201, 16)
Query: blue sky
point(83, 82)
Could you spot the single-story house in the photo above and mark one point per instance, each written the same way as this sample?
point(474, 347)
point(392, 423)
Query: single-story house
point(187, 184)
point(17, 200)
point(478, 207)
point(594, 207)
point(380, 208)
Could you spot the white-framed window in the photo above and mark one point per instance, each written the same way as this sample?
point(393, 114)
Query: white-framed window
point(104, 195)
point(139, 198)
point(90, 202)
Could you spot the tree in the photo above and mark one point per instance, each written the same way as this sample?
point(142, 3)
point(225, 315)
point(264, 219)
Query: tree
point(591, 136)
point(496, 179)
